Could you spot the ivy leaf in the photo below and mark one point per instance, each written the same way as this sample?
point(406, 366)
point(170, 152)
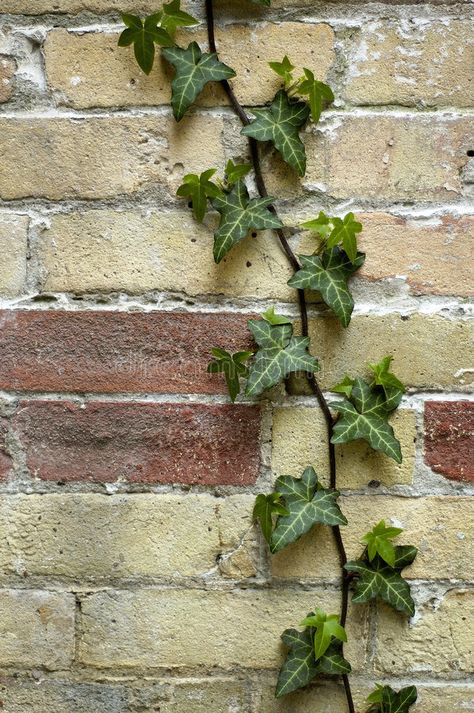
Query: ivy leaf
point(265, 507)
point(238, 216)
point(236, 171)
point(333, 662)
point(194, 69)
point(280, 354)
point(378, 580)
point(378, 542)
point(173, 17)
point(387, 700)
point(321, 225)
point(318, 94)
point(383, 376)
point(365, 416)
point(345, 232)
point(328, 275)
point(143, 34)
point(327, 628)
point(344, 387)
point(273, 318)
point(308, 504)
point(199, 189)
point(283, 69)
point(281, 124)
point(233, 367)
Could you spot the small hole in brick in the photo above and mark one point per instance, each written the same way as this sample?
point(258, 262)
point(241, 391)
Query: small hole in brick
point(248, 263)
point(193, 240)
point(190, 205)
point(254, 235)
point(405, 317)
point(374, 484)
point(470, 152)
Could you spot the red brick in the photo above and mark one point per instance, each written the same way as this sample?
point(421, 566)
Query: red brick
point(140, 442)
point(5, 459)
point(106, 352)
point(449, 438)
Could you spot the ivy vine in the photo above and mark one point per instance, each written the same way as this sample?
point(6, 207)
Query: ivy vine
point(364, 405)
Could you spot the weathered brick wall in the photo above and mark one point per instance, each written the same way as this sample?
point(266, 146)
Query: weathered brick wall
point(131, 578)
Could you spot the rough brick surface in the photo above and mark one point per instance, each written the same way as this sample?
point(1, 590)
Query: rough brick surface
point(162, 352)
point(7, 71)
point(449, 438)
point(13, 248)
point(138, 442)
point(5, 458)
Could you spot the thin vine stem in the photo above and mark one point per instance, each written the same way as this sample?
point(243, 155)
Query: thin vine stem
point(315, 388)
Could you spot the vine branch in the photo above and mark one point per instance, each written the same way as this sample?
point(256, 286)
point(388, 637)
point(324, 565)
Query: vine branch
point(315, 388)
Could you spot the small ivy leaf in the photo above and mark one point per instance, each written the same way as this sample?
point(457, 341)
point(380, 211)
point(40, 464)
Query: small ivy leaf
point(321, 225)
point(333, 662)
point(232, 366)
point(307, 504)
point(143, 34)
point(378, 542)
point(365, 416)
point(300, 666)
point(281, 124)
point(326, 628)
point(198, 189)
point(273, 318)
point(236, 171)
point(328, 275)
point(344, 387)
point(345, 232)
point(194, 69)
point(173, 17)
point(383, 376)
point(319, 94)
point(265, 507)
point(283, 69)
point(280, 354)
point(239, 214)
point(386, 700)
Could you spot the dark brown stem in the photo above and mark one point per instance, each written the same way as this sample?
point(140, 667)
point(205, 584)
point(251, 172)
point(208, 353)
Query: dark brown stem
point(315, 388)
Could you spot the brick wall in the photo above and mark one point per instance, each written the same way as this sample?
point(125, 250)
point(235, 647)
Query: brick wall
point(131, 578)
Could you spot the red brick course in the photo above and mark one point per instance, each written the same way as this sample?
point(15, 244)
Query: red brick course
point(140, 442)
point(449, 438)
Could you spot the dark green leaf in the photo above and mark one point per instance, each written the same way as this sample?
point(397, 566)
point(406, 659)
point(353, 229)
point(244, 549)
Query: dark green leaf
point(232, 366)
point(265, 507)
point(281, 125)
point(307, 505)
point(300, 666)
point(194, 69)
point(173, 17)
point(198, 189)
point(280, 354)
point(386, 700)
point(236, 171)
point(143, 35)
point(345, 232)
point(318, 93)
point(239, 215)
point(328, 275)
point(333, 662)
point(377, 580)
point(283, 69)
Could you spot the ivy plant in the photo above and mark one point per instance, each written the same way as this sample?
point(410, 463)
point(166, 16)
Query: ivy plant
point(238, 196)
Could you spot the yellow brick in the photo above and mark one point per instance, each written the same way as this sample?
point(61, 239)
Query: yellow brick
point(45, 696)
point(7, 71)
point(411, 63)
point(13, 247)
point(321, 697)
point(36, 629)
point(211, 696)
point(438, 640)
point(174, 628)
point(440, 527)
point(90, 70)
point(422, 347)
point(300, 438)
point(103, 157)
point(442, 698)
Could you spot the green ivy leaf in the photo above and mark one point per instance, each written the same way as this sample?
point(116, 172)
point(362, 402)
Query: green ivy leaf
point(344, 387)
point(198, 189)
point(232, 366)
point(308, 504)
point(329, 275)
point(365, 416)
point(345, 232)
point(143, 34)
point(238, 216)
point(281, 124)
point(283, 69)
point(266, 506)
point(273, 318)
point(378, 580)
point(194, 69)
point(173, 17)
point(386, 700)
point(378, 542)
point(327, 628)
point(321, 225)
point(236, 171)
point(319, 94)
point(383, 376)
point(280, 354)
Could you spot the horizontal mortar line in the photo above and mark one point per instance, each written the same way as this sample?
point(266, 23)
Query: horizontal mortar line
point(414, 398)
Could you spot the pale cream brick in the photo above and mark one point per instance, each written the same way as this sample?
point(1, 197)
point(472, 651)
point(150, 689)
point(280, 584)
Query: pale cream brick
point(320, 697)
point(442, 698)
point(300, 438)
point(389, 157)
point(422, 347)
point(440, 527)
point(36, 629)
point(13, 249)
point(99, 537)
point(437, 641)
point(102, 157)
point(174, 628)
point(45, 696)
point(91, 70)
point(7, 72)
point(411, 63)
point(211, 696)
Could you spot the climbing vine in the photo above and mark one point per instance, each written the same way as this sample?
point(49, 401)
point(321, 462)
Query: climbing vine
point(363, 406)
